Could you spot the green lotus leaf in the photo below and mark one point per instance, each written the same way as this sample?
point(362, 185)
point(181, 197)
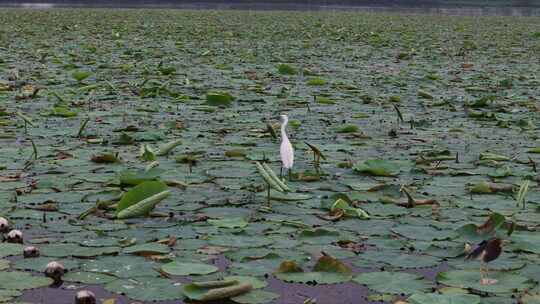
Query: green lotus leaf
point(184, 269)
point(393, 282)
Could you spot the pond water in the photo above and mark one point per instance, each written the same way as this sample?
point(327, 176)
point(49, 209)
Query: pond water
point(198, 5)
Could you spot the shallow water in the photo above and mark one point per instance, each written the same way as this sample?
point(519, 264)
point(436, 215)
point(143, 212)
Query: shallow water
point(427, 10)
point(291, 293)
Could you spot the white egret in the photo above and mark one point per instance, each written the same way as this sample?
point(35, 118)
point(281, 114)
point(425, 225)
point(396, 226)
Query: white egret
point(286, 150)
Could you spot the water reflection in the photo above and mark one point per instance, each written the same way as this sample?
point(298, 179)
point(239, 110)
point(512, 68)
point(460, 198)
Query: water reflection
point(190, 4)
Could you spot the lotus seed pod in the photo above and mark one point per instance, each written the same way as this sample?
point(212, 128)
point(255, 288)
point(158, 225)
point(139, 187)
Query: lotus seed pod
point(85, 297)
point(55, 270)
point(4, 225)
point(14, 236)
point(31, 252)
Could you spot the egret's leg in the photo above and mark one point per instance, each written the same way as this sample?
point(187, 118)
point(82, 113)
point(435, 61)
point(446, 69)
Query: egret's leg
point(281, 172)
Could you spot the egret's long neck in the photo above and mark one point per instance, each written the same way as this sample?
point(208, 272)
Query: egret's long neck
point(283, 133)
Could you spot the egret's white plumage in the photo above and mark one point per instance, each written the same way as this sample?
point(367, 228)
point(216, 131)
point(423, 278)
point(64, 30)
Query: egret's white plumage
point(286, 149)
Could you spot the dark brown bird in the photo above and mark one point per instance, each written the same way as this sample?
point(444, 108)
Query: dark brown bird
point(486, 252)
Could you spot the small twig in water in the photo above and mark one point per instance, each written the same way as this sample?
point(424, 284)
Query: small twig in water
point(34, 148)
point(83, 126)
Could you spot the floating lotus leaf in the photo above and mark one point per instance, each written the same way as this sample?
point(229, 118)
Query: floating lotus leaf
point(80, 75)
point(61, 111)
point(286, 69)
point(507, 282)
point(386, 210)
point(17, 280)
point(87, 277)
point(4, 264)
point(503, 263)
point(316, 82)
point(219, 99)
point(424, 233)
point(493, 156)
point(526, 241)
point(349, 128)
point(40, 264)
point(121, 266)
point(399, 259)
point(9, 249)
point(147, 289)
point(6, 295)
point(530, 299)
point(147, 249)
point(183, 269)
point(378, 167)
point(327, 270)
point(255, 267)
point(234, 222)
point(433, 298)
point(319, 236)
point(393, 282)
point(134, 178)
point(69, 249)
point(240, 241)
point(256, 297)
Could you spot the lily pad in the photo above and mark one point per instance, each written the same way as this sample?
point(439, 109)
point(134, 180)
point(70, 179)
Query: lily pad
point(147, 249)
point(433, 298)
point(378, 167)
point(393, 282)
point(16, 280)
point(327, 270)
point(286, 69)
point(87, 277)
point(147, 289)
point(256, 297)
point(507, 282)
point(9, 249)
point(229, 223)
point(80, 75)
point(219, 99)
point(4, 264)
point(6, 295)
point(184, 269)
